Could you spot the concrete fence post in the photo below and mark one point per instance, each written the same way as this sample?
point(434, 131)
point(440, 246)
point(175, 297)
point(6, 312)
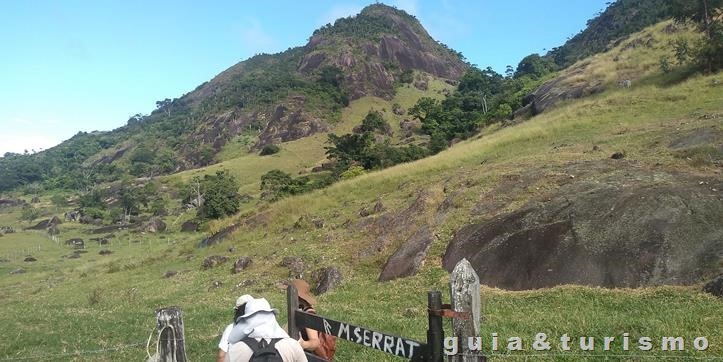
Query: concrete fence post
point(171, 344)
point(465, 290)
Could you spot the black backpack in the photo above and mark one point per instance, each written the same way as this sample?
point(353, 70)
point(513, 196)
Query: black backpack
point(263, 351)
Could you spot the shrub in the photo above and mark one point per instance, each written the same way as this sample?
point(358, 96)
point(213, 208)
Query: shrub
point(220, 194)
point(269, 150)
point(352, 172)
point(29, 213)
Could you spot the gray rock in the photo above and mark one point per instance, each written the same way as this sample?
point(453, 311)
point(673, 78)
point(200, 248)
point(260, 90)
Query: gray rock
point(189, 226)
point(296, 266)
point(170, 274)
point(155, 225)
point(18, 271)
point(408, 258)
point(616, 231)
point(76, 243)
point(30, 259)
point(329, 278)
point(213, 261)
point(241, 264)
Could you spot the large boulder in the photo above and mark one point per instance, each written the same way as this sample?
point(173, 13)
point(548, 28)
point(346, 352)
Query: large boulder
point(408, 258)
point(620, 231)
point(155, 225)
point(189, 226)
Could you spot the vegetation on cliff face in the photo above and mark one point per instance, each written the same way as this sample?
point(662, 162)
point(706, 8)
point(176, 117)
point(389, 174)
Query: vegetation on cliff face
point(275, 98)
point(621, 18)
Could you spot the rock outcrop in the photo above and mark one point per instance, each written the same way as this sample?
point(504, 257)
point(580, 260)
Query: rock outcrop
point(614, 232)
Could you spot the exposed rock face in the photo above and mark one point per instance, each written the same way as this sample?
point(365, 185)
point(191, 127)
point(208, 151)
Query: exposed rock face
point(6, 230)
point(329, 278)
point(11, 202)
point(290, 122)
point(557, 90)
point(407, 260)
point(213, 261)
point(45, 224)
point(241, 264)
point(616, 232)
point(155, 225)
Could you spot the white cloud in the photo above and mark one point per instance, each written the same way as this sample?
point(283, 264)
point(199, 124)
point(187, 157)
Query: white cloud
point(410, 6)
point(338, 11)
point(255, 39)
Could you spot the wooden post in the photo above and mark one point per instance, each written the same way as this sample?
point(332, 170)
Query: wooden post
point(292, 305)
point(171, 345)
point(464, 287)
point(435, 333)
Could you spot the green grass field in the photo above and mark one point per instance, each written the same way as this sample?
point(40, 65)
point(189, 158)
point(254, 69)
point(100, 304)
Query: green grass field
point(101, 308)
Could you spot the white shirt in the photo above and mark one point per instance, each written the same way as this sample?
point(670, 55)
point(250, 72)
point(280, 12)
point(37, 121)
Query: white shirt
point(289, 349)
point(223, 344)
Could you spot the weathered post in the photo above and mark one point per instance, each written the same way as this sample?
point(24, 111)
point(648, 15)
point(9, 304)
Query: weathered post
point(171, 343)
point(292, 305)
point(464, 287)
point(435, 333)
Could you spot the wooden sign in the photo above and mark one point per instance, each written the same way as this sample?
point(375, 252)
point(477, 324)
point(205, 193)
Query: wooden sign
point(398, 346)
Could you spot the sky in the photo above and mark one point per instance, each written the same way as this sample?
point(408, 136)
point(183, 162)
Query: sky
point(69, 66)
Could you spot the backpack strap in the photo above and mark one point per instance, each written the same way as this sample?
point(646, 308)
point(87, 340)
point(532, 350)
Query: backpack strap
point(261, 347)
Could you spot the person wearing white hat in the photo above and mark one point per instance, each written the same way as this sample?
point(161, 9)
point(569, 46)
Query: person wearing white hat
point(256, 333)
point(239, 310)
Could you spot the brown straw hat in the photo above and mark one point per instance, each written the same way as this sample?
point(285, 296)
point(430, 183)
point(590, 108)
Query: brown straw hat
point(304, 290)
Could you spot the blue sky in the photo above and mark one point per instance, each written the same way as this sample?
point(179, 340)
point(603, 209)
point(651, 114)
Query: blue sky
point(69, 66)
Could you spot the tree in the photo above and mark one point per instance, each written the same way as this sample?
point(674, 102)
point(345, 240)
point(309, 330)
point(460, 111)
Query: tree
point(424, 108)
point(374, 122)
point(129, 199)
point(221, 196)
point(707, 15)
point(165, 106)
point(275, 184)
point(534, 66)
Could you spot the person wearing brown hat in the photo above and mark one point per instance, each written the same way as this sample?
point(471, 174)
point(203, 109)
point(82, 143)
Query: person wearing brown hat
point(309, 338)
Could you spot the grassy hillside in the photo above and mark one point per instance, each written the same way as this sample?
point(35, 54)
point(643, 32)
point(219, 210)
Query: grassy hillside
point(101, 307)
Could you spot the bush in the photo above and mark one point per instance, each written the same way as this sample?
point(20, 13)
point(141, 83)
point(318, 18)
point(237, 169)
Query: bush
point(59, 200)
point(269, 150)
point(29, 213)
point(220, 194)
point(352, 172)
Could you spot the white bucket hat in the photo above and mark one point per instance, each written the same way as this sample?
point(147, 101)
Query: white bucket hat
point(243, 300)
point(256, 305)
